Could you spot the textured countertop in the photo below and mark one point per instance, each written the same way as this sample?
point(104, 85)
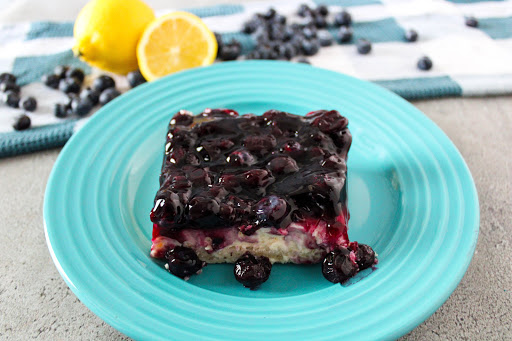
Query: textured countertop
point(36, 303)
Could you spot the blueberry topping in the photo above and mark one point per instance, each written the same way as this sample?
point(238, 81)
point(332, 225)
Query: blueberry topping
point(81, 106)
point(424, 63)
point(7, 77)
point(60, 71)
point(22, 122)
point(9, 86)
point(76, 73)
point(69, 85)
point(51, 81)
point(282, 165)
point(344, 34)
point(103, 82)
point(343, 18)
point(411, 35)
point(365, 256)
point(135, 78)
point(471, 21)
point(270, 209)
point(364, 46)
point(108, 94)
point(60, 110)
point(182, 118)
point(337, 266)
point(183, 262)
point(12, 99)
point(252, 271)
point(92, 95)
point(29, 103)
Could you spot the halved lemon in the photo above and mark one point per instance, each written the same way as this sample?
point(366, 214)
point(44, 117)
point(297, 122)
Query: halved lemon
point(175, 42)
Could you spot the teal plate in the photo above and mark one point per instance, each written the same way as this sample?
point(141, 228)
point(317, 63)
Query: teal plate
point(411, 197)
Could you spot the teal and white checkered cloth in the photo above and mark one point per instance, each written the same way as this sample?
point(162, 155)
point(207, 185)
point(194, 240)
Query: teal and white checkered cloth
point(467, 61)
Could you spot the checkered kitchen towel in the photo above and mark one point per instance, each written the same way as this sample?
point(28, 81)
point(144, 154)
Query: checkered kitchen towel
point(467, 61)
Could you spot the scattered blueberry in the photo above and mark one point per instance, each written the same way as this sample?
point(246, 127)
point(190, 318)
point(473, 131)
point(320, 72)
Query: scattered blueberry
point(411, 35)
point(76, 73)
point(303, 61)
point(343, 18)
point(9, 86)
point(51, 81)
point(252, 271)
point(365, 256)
point(344, 34)
point(108, 94)
point(90, 94)
point(69, 85)
point(135, 78)
point(364, 46)
point(310, 48)
point(60, 71)
point(7, 77)
point(103, 82)
point(320, 22)
point(337, 266)
point(309, 32)
point(322, 10)
point(230, 51)
point(324, 38)
point(29, 103)
point(424, 63)
point(60, 110)
point(183, 262)
point(304, 10)
point(81, 106)
point(471, 22)
point(22, 122)
point(11, 98)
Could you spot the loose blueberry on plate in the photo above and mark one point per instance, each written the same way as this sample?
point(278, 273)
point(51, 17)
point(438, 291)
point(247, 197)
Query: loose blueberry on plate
point(51, 81)
point(90, 94)
point(7, 77)
point(310, 48)
point(183, 262)
point(12, 99)
point(76, 73)
point(29, 103)
point(252, 271)
point(365, 257)
point(135, 78)
point(103, 82)
point(364, 46)
point(471, 21)
point(22, 123)
point(411, 35)
point(9, 86)
point(344, 34)
point(324, 38)
point(338, 266)
point(60, 110)
point(81, 106)
point(343, 18)
point(108, 94)
point(69, 85)
point(424, 63)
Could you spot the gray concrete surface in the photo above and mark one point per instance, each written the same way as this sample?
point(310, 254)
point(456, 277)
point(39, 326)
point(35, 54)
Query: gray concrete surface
point(36, 303)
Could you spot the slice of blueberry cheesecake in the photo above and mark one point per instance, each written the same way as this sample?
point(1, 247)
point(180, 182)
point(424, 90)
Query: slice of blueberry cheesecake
point(256, 190)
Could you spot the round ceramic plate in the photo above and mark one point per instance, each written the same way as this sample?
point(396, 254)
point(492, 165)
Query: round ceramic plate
point(410, 193)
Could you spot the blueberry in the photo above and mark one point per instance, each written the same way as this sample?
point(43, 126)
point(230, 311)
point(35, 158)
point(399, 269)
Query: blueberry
point(328, 121)
point(60, 71)
point(280, 19)
point(364, 46)
point(7, 77)
point(51, 81)
point(22, 122)
point(471, 21)
point(60, 110)
point(303, 10)
point(75, 73)
point(250, 26)
point(182, 118)
point(309, 32)
point(252, 271)
point(320, 22)
point(343, 19)
point(135, 78)
point(270, 14)
point(324, 38)
point(11, 98)
point(254, 55)
point(202, 209)
point(29, 103)
point(310, 48)
point(257, 178)
point(411, 35)
point(322, 10)
point(81, 106)
point(424, 63)
point(108, 94)
point(303, 61)
point(231, 51)
point(286, 51)
point(9, 86)
point(103, 82)
point(183, 262)
point(337, 266)
point(344, 34)
point(240, 158)
point(270, 210)
point(69, 85)
point(276, 33)
point(282, 165)
point(365, 256)
point(90, 94)
point(288, 33)
point(220, 43)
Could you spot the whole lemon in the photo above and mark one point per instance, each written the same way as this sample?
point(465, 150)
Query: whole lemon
point(107, 32)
